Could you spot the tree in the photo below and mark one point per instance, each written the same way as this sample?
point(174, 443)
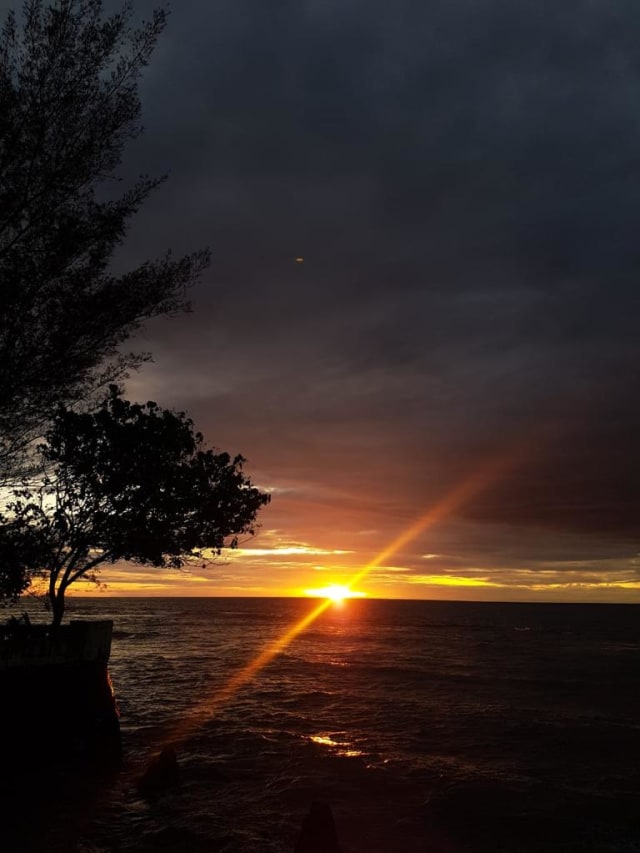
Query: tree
point(126, 482)
point(68, 106)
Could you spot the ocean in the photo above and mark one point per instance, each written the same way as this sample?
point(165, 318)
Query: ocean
point(428, 727)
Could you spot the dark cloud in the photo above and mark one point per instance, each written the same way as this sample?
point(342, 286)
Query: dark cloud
point(463, 181)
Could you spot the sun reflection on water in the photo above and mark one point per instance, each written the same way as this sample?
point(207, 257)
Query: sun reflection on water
point(338, 747)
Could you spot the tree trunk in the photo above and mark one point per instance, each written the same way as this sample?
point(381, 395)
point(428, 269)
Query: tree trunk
point(57, 607)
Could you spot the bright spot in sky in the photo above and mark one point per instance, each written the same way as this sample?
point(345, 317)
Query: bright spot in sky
point(336, 592)
point(299, 260)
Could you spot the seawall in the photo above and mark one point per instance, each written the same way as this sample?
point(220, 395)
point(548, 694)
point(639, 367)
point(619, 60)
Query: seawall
point(56, 701)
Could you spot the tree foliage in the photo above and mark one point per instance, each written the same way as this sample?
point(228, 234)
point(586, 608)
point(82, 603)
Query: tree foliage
point(68, 106)
point(126, 482)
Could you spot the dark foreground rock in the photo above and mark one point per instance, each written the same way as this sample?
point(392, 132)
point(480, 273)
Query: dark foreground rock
point(162, 773)
point(318, 833)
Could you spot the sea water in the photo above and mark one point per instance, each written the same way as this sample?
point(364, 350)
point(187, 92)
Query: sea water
point(447, 727)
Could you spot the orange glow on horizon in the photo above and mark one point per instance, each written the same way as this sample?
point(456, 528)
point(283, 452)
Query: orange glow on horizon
point(452, 580)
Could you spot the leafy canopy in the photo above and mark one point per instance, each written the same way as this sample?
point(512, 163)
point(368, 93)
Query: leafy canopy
point(126, 482)
point(68, 106)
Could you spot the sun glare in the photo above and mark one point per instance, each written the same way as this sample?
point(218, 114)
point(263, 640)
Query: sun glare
point(336, 593)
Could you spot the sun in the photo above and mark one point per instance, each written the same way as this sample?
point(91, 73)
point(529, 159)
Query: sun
point(336, 593)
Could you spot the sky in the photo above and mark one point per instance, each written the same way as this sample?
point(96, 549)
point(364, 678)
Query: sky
point(454, 366)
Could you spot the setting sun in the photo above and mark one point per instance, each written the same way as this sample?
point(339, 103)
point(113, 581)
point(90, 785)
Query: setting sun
point(336, 592)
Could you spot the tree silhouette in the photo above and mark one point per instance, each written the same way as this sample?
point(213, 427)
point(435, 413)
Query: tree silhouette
point(126, 482)
point(68, 106)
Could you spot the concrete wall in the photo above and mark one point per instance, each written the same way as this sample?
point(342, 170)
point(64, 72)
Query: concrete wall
point(56, 700)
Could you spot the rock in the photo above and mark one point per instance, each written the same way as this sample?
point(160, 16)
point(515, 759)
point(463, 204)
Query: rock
point(161, 774)
point(318, 833)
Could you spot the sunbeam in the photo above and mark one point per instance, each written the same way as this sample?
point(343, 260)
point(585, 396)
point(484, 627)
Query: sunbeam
point(474, 484)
